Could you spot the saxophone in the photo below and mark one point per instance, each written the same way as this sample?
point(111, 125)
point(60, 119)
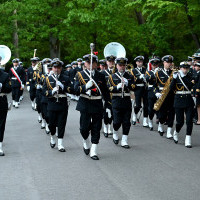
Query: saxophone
point(165, 91)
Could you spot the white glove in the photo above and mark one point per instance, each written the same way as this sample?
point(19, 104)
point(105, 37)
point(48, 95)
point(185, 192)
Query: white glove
point(119, 86)
point(141, 76)
point(88, 92)
point(0, 85)
point(175, 75)
point(158, 95)
point(109, 112)
point(157, 69)
point(60, 85)
point(38, 86)
point(125, 82)
point(28, 88)
point(55, 89)
point(89, 84)
point(51, 73)
point(22, 86)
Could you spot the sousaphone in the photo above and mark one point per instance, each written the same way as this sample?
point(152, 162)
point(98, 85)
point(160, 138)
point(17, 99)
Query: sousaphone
point(5, 54)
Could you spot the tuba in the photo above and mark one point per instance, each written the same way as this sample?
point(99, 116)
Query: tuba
point(114, 49)
point(5, 54)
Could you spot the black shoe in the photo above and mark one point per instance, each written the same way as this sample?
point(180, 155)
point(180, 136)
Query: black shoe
point(42, 127)
point(95, 158)
point(151, 128)
point(176, 142)
point(189, 146)
point(86, 151)
point(2, 154)
point(61, 150)
point(105, 134)
point(126, 146)
point(161, 133)
point(47, 132)
point(115, 141)
point(134, 122)
point(52, 145)
point(146, 126)
point(40, 121)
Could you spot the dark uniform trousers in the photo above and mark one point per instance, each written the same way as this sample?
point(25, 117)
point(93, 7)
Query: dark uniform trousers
point(16, 93)
point(183, 103)
point(31, 83)
point(57, 107)
point(91, 122)
point(6, 88)
point(141, 92)
point(167, 112)
point(152, 83)
point(91, 111)
point(121, 106)
point(57, 119)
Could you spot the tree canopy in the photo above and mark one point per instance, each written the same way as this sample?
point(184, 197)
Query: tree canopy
point(59, 28)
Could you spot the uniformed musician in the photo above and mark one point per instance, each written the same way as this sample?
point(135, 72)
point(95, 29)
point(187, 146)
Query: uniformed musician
point(183, 102)
point(166, 112)
point(140, 91)
point(31, 82)
point(5, 88)
point(121, 84)
point(152, 84)
point(17, 75)
point(110, 61)
point(55, 87)
point(91, 86)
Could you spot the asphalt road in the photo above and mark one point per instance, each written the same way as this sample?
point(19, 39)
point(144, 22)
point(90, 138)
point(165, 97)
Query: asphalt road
point(154, 168)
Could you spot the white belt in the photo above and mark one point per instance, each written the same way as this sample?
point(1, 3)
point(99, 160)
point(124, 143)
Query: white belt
point(60, 96)
point(14, 78)
point(30, 79)
point(183, 92)
point(91, 98)
point(150, 85)
point(161, 88)
point(3, 94)
point(140, 85)
point(120, 94)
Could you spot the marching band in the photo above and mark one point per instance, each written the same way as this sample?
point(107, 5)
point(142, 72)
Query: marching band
point(113, 95)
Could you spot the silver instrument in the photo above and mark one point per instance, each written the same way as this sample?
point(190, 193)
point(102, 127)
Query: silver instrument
point(5, 54)
point(117, 50)
point(114, 49)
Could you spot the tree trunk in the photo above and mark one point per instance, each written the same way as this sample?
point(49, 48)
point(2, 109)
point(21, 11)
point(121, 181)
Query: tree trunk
point(140, 17)
point(15, 37)
point(54, 47)
point(190, 20)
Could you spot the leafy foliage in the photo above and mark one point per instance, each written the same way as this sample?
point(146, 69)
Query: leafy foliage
point(143, 27)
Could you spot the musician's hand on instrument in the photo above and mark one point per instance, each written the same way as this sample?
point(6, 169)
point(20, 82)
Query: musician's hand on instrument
point(55, 89)
point(89, 84)
point(141, 76)
point(158, 95)
point(39, 86)
point(175, 75)
point(51, 73)
point(60, 85)
point(28, 88)
point(119, 85)
point(125, 82)
point(108, 111)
